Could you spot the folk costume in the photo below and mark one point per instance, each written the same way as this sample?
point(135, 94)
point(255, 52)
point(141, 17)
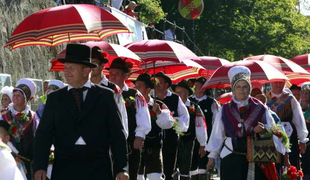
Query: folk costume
point(209, 107)
point(290, 113)
point(197, 131)
point(23, 127)
point(151, 159)
point(85, 130)
point(234, 122)
point(170, 136)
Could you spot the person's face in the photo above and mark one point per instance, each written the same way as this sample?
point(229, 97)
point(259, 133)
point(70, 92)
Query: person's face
point(296, 93)
point(18, 98)
point(96, 72)
point(161, 85)
point(182, 92)
point(305, 95)
point(140, 85)
point(117, 76)
point(45, 86)
point(76, 74)
point(5, 101)
point(197, 86)
point(4, 136)
point(241, 90)
point(261, 98)
point(277, 87)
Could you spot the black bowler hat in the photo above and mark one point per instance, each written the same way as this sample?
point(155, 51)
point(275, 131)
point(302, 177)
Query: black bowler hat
point(97, 53)
point(146, 78)
point(201, 80)
point(122, 64)
point(79, 54)
point(166, 78)
point(183, 84)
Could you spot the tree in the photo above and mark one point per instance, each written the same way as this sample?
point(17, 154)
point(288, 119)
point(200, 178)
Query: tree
point(234, 29)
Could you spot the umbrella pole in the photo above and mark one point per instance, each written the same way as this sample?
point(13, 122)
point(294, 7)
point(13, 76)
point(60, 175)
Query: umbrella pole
point(154, 78)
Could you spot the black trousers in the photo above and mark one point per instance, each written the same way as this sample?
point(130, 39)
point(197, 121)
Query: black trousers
point(151, 161)
point(134, 161)
point(185, 154)
point(169, 157)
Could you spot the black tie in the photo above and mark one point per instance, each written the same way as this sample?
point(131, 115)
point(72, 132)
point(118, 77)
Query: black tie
point(77, 94)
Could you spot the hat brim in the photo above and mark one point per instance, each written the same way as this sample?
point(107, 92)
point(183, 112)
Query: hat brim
point(190, 91)
point(167, 79)
point(123, 69)
point(89, 64)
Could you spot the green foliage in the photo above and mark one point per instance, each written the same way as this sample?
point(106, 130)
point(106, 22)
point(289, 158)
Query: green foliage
point(151, 11)
point(234, 29)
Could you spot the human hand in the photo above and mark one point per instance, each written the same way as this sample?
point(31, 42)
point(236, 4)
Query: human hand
point(156, 108)
point(211, 163)
point(287, 163)
point(40, 175)
point(138, 143)
point(260, 128)
point(202, 151)
point(122, 176)
point(302, 148)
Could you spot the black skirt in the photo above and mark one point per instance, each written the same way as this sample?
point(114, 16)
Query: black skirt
point(235, 166)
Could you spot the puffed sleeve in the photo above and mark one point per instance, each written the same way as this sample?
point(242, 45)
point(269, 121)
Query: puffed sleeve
point(142, 116)
point(201, 128)
point(183, 117)
point(217, 137)
point(299, 121)
point(164, 119)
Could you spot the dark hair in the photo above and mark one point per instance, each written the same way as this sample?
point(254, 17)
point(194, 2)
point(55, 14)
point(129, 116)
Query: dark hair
point(97, 54)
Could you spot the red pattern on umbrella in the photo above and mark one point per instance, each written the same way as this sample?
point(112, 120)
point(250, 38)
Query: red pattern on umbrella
point(161, 50)
point(210, 63)
point(303, 61)
point(65, 23)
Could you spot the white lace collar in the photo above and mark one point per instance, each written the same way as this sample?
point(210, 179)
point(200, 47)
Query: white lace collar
point(241, 103)
point(14, 112)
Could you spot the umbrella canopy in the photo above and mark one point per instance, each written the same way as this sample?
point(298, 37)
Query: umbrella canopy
point(224, 98)
point(210, 63)
point(303, 61)
point(261, 72)
point(175, 71)
point(161, 50)
point(56, 25)
point(284, 65)
point(114, 51)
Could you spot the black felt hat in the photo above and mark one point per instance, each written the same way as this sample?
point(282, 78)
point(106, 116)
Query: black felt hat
point(122, 64)
point(183, 84)
point(79, 54)
point(201, 80)
point(146, 78)
point(163, 75)
point(97, 53)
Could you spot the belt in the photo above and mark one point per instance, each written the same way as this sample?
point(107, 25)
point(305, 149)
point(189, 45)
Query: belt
point(235, 152)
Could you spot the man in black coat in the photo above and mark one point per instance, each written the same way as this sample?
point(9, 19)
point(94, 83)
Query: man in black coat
point(83, 122)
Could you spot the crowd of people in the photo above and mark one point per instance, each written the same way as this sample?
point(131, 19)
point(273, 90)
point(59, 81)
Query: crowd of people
point(96, 127)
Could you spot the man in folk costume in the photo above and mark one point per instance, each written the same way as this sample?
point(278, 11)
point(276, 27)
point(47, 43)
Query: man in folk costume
point(197, 130)
point(181, 116)
point(83, 122)
point(8, 168)
point(209, 107)
point(236, 121)
point(23, 123)
point(289, 111)
point(97, 77)
point(139, 123)
point(151, 159)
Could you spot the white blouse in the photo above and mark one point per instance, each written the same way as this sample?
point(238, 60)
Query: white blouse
point(164, 119)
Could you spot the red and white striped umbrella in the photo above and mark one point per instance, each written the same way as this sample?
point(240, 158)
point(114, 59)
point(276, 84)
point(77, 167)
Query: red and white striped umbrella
point(114, 51)
point(161, 50)
point(284, 65)
point(261, 72)
point(210, 63)
point(175, 71)
point(303, 61)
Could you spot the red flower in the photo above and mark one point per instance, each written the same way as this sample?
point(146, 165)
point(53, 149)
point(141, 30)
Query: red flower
point(292, 169)
point(14, 130)
point(301, 174)
point(127, 104)
point(152, 114)
point(294, 175)
point(242, 109)
point(18, 115)
point(274, 99)
point(279, 135)
point(104, 54)
point(191, 109)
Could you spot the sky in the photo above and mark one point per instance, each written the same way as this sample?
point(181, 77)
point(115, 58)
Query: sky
point(302, 8)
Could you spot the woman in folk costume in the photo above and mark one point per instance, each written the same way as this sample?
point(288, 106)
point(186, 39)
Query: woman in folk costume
point(243, 116)
point(305, 106)
point(23, 123)
point(6, 98)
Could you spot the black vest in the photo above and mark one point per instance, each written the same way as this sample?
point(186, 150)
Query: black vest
point(190, 134)
point(131, 113)
point(110, 85)
point(172, 103)
point(205, 106)
point(154, 137)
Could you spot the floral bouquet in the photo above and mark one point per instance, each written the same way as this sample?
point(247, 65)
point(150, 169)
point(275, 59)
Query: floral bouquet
point(292, 174)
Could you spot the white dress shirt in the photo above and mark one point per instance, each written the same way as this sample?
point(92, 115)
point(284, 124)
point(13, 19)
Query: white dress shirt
point(215, 144)
point(164, 119)
point(200, 127)
point(298, 120)
point(142, 116)
point(120, 104)
point(215, 107)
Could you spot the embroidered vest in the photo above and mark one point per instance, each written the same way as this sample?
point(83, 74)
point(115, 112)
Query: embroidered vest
point(282, 106)
point(131, 112)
